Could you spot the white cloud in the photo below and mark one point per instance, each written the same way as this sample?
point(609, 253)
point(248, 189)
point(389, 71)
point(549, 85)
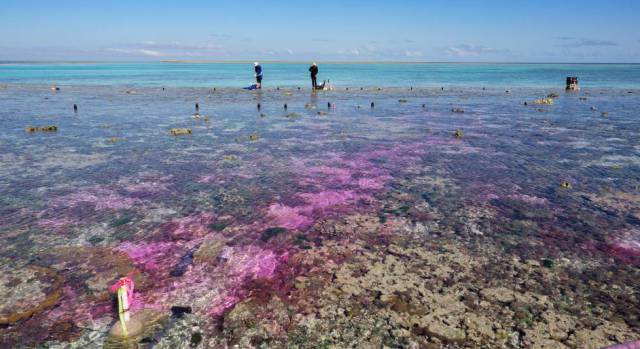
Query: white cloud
point(410, 53)
point(470, 50)
point(583, 42)
point(151, 53)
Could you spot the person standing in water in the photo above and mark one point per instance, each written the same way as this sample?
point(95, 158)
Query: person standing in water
point(258, 70)
point(314, 73)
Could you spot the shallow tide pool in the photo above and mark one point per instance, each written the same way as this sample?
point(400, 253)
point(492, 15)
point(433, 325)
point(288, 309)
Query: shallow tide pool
point(454, 217)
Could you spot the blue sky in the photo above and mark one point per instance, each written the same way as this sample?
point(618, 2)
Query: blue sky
point(489, 30)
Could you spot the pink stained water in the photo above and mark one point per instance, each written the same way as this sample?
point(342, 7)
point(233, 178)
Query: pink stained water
point(190, 227)
point(328, 198)
point(250, 262)
point(150, 256)
point(102, 199)
point(533, 200)
point(330, 174)
point(373, 183)
point(289, 217)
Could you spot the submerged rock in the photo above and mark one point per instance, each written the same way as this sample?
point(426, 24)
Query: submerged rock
point(140, 325)
point(180, 131)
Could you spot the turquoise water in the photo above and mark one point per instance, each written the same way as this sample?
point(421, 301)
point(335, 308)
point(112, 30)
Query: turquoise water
point(296, 74)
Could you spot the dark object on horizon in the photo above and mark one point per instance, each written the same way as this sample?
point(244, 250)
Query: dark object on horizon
point(214, 88)
point(411, 89)
point(285, 106)
point(329, 105)
point(424, 105)
point(75, 108)
point(298, 88)
point(197, 107)
point(442, 88)
point(361, 88)
point(258, 106)
point(372, 105)
point(347, 89)
point(163, 89)
point(572, 83)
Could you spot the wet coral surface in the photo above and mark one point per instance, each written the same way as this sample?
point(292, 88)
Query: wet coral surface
point(357, 227)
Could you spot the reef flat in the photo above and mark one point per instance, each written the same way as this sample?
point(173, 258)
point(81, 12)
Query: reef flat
point(367, 218)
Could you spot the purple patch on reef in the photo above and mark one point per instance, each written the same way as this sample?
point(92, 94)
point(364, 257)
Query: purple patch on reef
point(102, 199)
point(289, 217)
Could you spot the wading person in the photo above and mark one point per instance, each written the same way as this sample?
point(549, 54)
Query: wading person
point(258, 70)
point(314, 73)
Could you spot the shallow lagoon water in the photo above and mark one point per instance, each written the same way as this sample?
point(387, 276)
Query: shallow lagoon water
point(345, 226)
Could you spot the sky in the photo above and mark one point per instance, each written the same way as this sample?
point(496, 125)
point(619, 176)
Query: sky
point(329, 30)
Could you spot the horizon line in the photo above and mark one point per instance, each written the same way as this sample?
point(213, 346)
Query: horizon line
point(208, 61)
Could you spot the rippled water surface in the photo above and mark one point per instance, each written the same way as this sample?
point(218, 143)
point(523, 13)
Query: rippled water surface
point(269, 223)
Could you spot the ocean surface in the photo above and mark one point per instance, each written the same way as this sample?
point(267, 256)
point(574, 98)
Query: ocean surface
point(292, 74)
point(388, 216)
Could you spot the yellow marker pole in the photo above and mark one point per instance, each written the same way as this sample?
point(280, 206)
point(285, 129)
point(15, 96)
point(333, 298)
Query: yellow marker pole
point(122, 312)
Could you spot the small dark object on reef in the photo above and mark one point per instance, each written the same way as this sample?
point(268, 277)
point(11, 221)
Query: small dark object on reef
point(263, 115)
point(197, 107)
point(553, 95)
point(163, 89)
point(179, 311)
point(411, 89)
point(271, 232)
point(217, 226)
point(458, 134)
point(320, 112)
point(298, 87)
point(507, 91)
point(402, 101)
point(457, 110)
point(196, 339)
point(424, 106)
point(525, 103)
point(565, 185)
point(49, 128)
point(259, 106)
point(183, 264)
point(254, 137)
point(547, 263)
point(594, 108)
point(75, 108)
point(379, 89)
point(361, 88)
point(582, 98)
point(372, 105)
point(285, 106)
point(442, 88)
point(278, 88)
point(484, 88)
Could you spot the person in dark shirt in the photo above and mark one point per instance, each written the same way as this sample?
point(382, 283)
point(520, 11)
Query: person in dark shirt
point(258, 70)
point(314, 73)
